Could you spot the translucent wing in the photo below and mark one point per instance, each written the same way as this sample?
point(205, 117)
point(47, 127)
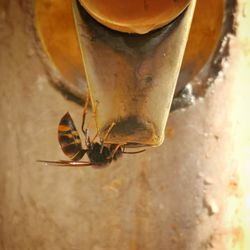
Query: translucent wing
point(66, 163)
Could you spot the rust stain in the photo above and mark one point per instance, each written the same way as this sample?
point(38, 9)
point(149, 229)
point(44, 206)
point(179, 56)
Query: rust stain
point(237, 235)
point(169, 132)
point(233, 188)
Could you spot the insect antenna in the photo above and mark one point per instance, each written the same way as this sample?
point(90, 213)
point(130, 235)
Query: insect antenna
point(114, 151)
point(84, 113)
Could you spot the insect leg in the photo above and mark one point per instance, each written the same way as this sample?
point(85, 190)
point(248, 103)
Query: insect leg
point(96, 135)
point(114, 151)
point(135, 152)
point(87, 139)
point(85, 131)
point(94, 116)
point(106, 135)
point(84, 113)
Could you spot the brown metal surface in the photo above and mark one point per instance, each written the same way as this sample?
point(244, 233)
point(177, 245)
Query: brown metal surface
point(131, 78)
point(55, 25)
point(134, 16)
point(187, 194)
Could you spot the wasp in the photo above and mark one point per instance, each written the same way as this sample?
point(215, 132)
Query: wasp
point(100, 154)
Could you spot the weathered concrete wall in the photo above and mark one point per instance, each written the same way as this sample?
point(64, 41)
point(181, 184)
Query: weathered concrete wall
point(183, 195)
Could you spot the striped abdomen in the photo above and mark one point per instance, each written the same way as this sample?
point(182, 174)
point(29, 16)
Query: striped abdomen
point(69, 138)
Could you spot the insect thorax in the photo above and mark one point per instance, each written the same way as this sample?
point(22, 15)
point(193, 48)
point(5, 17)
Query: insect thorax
point(104, 156)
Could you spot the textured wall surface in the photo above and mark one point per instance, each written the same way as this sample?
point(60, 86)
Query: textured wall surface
point(184, 195)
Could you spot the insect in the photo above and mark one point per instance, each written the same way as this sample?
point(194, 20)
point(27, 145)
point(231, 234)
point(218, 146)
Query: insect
point(99, 153)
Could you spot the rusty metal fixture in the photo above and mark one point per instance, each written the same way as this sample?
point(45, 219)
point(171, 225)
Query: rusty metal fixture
point(132, 78)
point(59, 40)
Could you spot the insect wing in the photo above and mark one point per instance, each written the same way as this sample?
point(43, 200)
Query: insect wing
point(66, 163)
point(69, 138)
